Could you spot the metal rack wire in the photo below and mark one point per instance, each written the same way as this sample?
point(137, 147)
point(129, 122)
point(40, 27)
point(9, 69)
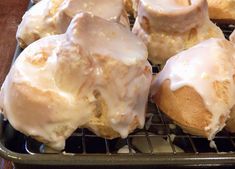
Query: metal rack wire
point(158, 126)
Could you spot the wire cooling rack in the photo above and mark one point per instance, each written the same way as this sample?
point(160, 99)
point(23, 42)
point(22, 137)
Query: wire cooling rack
point(158, 130)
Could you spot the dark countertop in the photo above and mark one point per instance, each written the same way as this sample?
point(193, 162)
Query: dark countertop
point(10, 16)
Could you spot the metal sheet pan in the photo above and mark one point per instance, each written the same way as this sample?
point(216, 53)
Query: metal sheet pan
point(86, 150)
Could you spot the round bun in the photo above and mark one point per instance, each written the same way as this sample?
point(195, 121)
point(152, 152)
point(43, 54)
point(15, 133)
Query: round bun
point(96, 75)
point(185, 106)
point(170, 26)
point(196, 87)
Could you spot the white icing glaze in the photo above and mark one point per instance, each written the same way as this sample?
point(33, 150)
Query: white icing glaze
point(213, 145)
point(110, 10)
point(176, 28)
point(200, 67)
point(125, 150)
point(172, 15)
point(51, 97)
point(163, 45)
point(109, 38)
point(49, 17)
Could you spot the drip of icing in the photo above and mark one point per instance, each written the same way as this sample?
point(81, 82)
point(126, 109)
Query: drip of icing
point(125, 150)
point(121, 49)
point(213, 145)
point(200, 67)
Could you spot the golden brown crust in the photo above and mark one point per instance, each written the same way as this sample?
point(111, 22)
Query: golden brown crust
point(101, 128)
point(99, 123)
point(221, 9)
point(128, 6)
point(185, 106)
point(131, 6)
point(230, 125)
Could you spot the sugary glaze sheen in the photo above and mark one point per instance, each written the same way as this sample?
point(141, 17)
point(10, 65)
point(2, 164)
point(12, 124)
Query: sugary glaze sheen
point(209, 69)
point(170, 26)
point(172, 15)
point(97, 69)
point(50, 17)
point(130, 5)
point(168, 5)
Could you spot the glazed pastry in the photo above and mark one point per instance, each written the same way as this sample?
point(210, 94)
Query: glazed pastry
point(232, 37)
point(170, 26)
point(222, 9)
point(96, 75)
point(196, 87)
point(50, 17)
